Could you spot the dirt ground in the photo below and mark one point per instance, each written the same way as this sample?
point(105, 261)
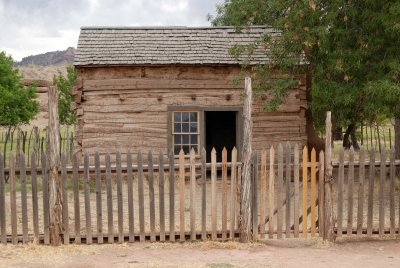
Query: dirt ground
point(288, 253)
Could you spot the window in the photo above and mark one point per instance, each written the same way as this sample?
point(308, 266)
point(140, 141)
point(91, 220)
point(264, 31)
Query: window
point(185, 131)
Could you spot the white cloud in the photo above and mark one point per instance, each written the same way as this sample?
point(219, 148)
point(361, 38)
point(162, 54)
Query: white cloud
point(30, 27)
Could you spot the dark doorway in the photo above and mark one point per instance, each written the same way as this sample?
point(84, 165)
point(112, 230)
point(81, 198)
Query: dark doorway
point(220, 132)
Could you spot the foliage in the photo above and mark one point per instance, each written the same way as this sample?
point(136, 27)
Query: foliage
point(18, 105)
point(65, 85)
point(351, 48)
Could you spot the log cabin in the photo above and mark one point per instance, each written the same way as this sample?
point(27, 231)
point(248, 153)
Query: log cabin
point(173, 88)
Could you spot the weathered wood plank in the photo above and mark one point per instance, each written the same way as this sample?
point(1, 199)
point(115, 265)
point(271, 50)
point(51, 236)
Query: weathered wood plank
point(130, 198)
point(392, 187)
point(161, 190)
point(233, 193)
point(321, 194)
point(296, 176)
point(288, 173)
point(99, 206)
point(13, 200)
point(305, 191)
point(24, 203)
point(171, 196)
point(65, 209)
point(350, 183)
point(141, 196)
point(120, 200)
point(77, 213)
point(53, 148)
point(382, 193)
point(279, 191)
point(86, 187)
point(313, 192)
point(151, 197)
point(192, 195)
point(224, 192)
point(255, 195)
point(271, 191)
point(3, 202)
point(203, 195)
point(263, 190)
point(213, 195)
point(340, 194)
point(181, 196)
point(110, 217)
point(360, 210)
point(46, 208)
point(371, 183)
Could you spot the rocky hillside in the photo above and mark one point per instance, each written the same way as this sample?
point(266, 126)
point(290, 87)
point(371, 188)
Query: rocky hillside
point(56, 58)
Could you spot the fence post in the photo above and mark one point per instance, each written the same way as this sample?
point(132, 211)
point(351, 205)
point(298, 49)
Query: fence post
point(245, 202)
point(329, 214)
point(54, 183)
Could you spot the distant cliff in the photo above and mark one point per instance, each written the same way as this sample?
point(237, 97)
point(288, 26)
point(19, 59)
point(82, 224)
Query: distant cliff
point(65, 57)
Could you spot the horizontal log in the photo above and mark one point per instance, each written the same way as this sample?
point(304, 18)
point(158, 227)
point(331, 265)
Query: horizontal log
point(142, 83)
point(171, 72)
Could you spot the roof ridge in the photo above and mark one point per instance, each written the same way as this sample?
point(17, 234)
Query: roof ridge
point(168, 27)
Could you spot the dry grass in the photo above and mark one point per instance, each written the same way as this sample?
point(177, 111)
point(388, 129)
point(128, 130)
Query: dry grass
point(42, 72)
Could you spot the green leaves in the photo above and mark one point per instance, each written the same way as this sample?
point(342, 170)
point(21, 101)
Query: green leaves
point(351, 49)
point(65, 85)
point(18, 105)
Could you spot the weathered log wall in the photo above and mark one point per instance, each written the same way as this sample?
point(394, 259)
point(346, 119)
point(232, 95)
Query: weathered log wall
point(125, 108)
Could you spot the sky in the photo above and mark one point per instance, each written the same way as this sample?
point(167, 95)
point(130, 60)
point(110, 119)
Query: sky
point(30, 27)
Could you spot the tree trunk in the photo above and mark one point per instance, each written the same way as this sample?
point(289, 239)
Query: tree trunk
point(245, 201)
point(349, 138)
point(55, 198)
point(313, 140)
point(337, 134)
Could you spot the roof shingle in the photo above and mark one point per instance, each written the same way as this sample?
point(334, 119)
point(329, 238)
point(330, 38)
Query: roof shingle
point(165, 45)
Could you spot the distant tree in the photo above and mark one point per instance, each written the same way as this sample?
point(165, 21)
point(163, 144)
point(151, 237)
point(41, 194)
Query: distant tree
point(18, 104)
point(351, 49)
point(65, 85)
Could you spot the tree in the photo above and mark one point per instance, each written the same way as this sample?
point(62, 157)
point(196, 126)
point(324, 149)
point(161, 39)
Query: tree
point(351, 49)
point(18, 105)
point(65, 85)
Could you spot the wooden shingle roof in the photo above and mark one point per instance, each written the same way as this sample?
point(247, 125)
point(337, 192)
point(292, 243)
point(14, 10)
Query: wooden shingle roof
point(165, 45)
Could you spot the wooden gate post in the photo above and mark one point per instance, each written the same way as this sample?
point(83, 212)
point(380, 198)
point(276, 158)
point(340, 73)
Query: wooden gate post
point(329, 214)
point(245, 202)
point(55, 199)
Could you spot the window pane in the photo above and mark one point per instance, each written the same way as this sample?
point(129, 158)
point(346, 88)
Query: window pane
point(177, 139)
point(177, 116)
point(185, 117)
point(177, 149)
point(193, 117)
point(193, 127)
point(185, 127)
point(193, 139)
point(177, 127)
point(185, 148)
point(185, 139)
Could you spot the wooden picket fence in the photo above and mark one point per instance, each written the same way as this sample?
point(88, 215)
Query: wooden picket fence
point(167, 198)
point(374, 193)
point(178, 198)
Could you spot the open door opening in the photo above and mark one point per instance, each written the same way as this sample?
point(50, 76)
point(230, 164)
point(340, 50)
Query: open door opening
point(220, 130)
